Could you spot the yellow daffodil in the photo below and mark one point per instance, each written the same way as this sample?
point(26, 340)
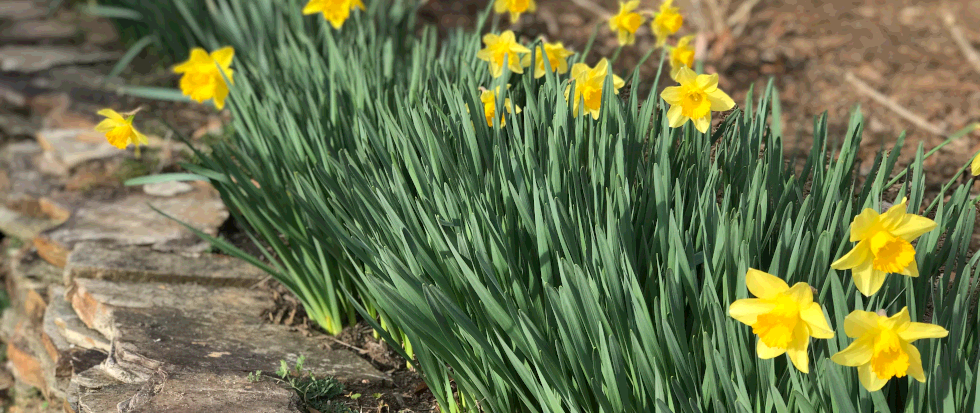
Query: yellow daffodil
point(119, 130)
point(883, 347)
point(557, 58)
point(626, 22)
point(515, 7)
point(500, 49)
point(884, 246)
point(667, 22)
point(202, 79)
point(975, 165)
point(334, 11)
point(694, 99)
point(783, 317)
point(588, 86)
point(681, 55)
point(489, 99)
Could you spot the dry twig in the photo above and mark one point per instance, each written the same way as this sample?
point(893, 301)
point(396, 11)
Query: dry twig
point(740, 18)
point(971, 54)
point(594, 8)
point(889, 103)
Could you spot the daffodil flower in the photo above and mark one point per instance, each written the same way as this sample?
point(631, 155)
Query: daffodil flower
point(883, 347)
point(783, 317)
point(489, 99)
point(681, 55)
point(694, 99)
point(334, 11)
point(515, 7)
point(667, 22)
point(626, 22)
point(975, 165)
point(884, 246)
point(557, 56)
point(502, 49)
point(202, 79)
point(588, 86)
point(119, 130)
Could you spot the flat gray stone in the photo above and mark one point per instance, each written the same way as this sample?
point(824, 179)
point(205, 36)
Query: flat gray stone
point(28, 280)
point(129, 219)
point(34, 58)
point(65, 330)
point(17, 162)
point(202, 328)
point(167, 189)
point(22, 226)
point(72, 147)
point(38, 31)
point(12, 124)
point(186, 392)
point(20, 9)
point(143, 264)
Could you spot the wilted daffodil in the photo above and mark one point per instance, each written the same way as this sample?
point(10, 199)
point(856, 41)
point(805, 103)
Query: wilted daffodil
point(557, 58)
point(119, 130)
point(783, 317)
point(626, 22)
point(694, 99)
point(489, 99)
point(883, 348)
point(588, 86)
point(884, 246)
point(515, 7)
point(667, 22)
point(681, 55)
point(202, 79)
point(501, 48)
point(334, 11)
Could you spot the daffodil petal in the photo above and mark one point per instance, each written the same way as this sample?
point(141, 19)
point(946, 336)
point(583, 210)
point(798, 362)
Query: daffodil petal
point(869, 379)
point(894, 215)
point(858, 323)
point(708, 83)
point(675, 116)
point(618, 83)
point(912, 227)
point(860, 254)
point(765, 352)
point(106, 126)
point(813, 316)
point(720, 101)
point(801, 294)
point(672, 95)
point(912, 270)
point(686, 75)
point(223, 56)
point(747, 310)
point(856, 354)
point(917, 331)
point(797, 351)
point(702, 124)
point(579, 70)
point(111, 114)
point(915, 363)
point(867, 279)
point(865, 224)
point(975, 165)
point(764, 285)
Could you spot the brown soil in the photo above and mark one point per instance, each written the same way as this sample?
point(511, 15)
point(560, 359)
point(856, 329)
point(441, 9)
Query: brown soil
point(406, 393)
